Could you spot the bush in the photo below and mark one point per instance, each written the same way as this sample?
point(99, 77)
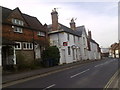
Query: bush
point(51, 56)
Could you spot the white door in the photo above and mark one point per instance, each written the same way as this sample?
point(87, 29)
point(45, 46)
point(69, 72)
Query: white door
point(73, 54)
point(63, 56)
point(37, 52)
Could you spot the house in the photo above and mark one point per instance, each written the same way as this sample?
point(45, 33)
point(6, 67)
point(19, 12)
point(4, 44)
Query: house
point(105, 52)
point(94, 51)
point(72, 42)
point(23, 38)
point(114, 51)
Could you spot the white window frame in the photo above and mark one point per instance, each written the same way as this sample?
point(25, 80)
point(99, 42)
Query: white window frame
point(16, 46)
point(18, 22)
point(27, 47)
point(41, 33)
point(18, 30)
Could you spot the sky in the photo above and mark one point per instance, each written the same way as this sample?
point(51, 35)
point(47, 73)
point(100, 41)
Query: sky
point(101, 18)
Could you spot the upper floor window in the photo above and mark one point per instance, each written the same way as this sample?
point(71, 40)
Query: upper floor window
point(74, 38)
point(18, 29)
point(69, 51)
point(18, 22)
point(41, 34)
point(68, 37)
point(18, 45)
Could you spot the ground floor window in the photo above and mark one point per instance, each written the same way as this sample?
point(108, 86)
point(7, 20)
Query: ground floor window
point(69, 52)
point(27, 45)
point(18, 45)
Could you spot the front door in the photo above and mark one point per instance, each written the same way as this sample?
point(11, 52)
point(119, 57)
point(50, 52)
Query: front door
point(7, 57)
point(63, 56)
point(73, 54)
point(37, 52)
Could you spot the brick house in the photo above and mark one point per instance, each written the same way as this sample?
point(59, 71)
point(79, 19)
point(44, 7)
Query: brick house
point(114, 50)
point(23, 37)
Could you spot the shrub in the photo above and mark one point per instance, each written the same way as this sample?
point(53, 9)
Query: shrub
point(51, 56)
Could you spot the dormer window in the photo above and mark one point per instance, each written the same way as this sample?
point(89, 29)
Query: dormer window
point(41, 33)
point(17, 22)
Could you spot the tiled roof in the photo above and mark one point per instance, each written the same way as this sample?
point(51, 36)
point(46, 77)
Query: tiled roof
point(33, 22)
point(69, 30)
point(63, 28)
point(115, 46)
point(5, 12)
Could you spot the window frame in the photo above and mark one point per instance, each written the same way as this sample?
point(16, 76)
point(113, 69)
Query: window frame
point(18, 48)
point(17, 22)
point(27, 46)
point(18, 29)
point(39, 33)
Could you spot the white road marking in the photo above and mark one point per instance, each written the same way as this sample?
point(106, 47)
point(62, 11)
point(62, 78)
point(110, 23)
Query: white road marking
point(49, 86)
point(107, 62)
point(79, 73)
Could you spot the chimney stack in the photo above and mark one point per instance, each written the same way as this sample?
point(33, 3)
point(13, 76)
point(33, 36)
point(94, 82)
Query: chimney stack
point(72, 24)
point(54, 16)
point(89, 35)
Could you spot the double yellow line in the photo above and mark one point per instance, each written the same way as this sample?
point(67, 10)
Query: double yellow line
point(111, 80)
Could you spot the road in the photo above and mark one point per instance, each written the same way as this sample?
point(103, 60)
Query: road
point(90, 75)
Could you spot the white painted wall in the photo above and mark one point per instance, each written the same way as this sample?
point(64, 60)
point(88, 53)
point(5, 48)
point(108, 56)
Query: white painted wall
point(84, 47)
point(117, 53)
point(94, 54)
point(0, 55)
point(81, 47)
point(58, 39)
point(14, 57)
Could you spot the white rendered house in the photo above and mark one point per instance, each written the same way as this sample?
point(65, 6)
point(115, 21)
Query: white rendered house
point(72, 42)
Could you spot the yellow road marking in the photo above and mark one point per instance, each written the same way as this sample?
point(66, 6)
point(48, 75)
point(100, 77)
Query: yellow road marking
point(110, 81)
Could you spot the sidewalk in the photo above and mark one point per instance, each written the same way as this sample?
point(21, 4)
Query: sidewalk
point(22, 75)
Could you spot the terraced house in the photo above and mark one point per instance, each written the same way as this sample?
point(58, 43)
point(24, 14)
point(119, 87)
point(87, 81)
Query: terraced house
point(23, 38)
point(74, 44)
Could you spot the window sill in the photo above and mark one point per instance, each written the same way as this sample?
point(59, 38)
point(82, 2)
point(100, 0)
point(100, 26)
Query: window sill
point(18, 32)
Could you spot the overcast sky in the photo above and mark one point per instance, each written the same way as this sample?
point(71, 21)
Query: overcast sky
point(99, 17)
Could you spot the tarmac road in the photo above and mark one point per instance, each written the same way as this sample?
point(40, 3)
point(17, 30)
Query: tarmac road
point(90, 75)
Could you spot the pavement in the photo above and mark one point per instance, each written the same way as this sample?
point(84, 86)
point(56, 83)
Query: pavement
point(23, 75)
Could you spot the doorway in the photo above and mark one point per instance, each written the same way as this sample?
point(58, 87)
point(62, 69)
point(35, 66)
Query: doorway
point(7, 57)
point(63, 56)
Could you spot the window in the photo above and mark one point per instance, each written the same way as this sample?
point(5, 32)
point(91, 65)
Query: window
point(74, 38)
point(68, 37)
point(17, 45)
point(69, 51)
point(18, 29)
point(41, 34)
point(18, 22)
point(27, 45)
